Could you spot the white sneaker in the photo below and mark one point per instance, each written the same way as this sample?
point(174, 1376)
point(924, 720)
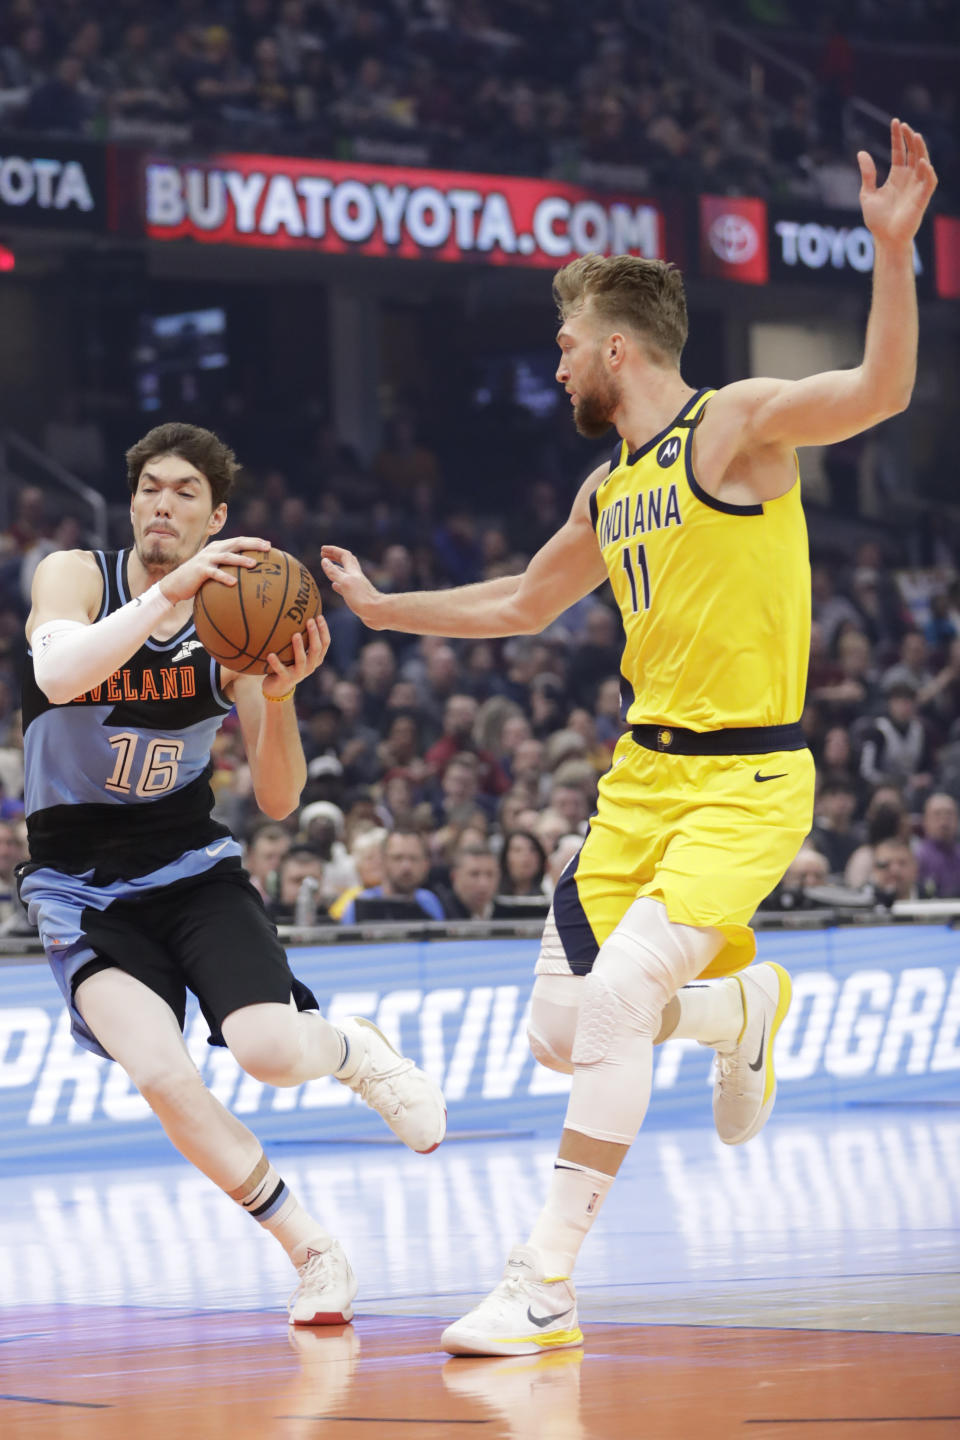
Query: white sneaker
point(526, 1314)
point(412, 1105)
point(746, 1084)
point(327, 1287)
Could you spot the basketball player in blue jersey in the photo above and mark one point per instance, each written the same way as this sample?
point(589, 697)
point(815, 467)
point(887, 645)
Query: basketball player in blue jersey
point(138, 894)
point(696, 522)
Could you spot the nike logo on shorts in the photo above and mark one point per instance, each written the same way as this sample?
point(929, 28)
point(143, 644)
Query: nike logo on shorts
point(213, 850)
point(760, 778)
point(541, 1320)
point(758, 1063)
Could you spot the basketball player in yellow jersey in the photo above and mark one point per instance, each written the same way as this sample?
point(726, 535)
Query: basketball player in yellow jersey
point(697, 522)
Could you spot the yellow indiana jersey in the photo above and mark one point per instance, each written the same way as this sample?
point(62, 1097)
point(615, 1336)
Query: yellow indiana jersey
point(715, 598)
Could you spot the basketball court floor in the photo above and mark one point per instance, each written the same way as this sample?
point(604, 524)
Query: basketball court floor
point(807, 1284)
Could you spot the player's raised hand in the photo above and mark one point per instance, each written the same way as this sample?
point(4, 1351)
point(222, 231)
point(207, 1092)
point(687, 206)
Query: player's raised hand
point(342, 569)
point(893, 212)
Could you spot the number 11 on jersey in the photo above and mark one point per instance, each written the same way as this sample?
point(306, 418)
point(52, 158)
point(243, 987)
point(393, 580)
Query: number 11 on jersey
point(644, 575)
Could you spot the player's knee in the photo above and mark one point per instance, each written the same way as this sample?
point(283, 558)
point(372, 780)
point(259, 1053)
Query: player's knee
point(554, 1008)
point(167, 1088)
point(545, 1054)
point(639, 968)
point(265, 1044)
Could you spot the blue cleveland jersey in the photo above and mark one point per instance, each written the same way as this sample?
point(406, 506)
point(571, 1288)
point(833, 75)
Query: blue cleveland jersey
point(118, 780)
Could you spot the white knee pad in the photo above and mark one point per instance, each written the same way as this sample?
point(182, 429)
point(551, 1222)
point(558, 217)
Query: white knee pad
point(641, 966)
point(554, 1008)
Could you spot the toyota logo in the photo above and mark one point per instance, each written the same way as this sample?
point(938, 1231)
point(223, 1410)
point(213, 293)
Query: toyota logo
point(733, 239)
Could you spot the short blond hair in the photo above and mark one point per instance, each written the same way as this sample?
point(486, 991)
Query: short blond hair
point(646, 295)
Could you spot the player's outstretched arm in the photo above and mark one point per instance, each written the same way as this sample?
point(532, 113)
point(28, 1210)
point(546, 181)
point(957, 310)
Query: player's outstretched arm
point(823, 409)
point(565, 569)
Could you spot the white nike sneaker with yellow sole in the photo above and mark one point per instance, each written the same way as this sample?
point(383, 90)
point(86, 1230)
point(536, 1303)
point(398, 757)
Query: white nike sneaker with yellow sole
point(527, 1314)
point(407, 1099)
point(746, 1083)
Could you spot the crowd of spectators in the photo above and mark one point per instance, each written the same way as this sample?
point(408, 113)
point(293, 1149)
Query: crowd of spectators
point(455, 780)
point(614, 92)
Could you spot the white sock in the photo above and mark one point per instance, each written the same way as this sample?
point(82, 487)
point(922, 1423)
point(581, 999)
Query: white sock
point(576, 1195)
point(711, 1012)
point(270, 1201)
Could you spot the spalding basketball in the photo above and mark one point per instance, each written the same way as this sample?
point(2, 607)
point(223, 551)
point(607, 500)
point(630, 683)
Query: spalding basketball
point(240, 625)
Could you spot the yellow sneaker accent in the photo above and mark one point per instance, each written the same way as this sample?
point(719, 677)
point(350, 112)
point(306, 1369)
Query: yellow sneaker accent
point(551, 1338)
point(783, 1005)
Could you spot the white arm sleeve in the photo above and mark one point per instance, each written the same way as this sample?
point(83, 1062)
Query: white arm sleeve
point(70, 657)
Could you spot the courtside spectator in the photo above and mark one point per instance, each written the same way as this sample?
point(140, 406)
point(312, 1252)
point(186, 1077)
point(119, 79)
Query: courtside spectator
point(474, 881)
point(894, 874)
point(406, 860)
point(938, 853)
point(265, 848)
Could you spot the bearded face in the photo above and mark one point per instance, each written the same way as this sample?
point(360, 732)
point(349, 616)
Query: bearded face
point(598, 396)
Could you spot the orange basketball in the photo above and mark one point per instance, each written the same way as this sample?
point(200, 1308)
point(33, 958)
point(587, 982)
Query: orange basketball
point(240, 625)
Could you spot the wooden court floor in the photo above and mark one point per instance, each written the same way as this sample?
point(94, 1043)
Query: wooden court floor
point(131, 1374)
point(807, 1284)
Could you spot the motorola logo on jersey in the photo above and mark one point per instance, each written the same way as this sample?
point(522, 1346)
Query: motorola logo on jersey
point(733, 239)
point(669, 451)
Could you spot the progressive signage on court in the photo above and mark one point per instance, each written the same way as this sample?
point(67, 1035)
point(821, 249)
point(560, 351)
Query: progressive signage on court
point(343, 209)
point(875, 1020)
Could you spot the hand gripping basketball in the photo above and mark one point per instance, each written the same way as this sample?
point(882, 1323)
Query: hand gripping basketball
point(270, 604)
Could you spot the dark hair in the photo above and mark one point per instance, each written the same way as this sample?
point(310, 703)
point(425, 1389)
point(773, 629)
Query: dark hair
point(537, 845)
point(884, 824)
point(647, 295)
point(202, 449)
point(300, 852)
point(471, 852)
point(406, 833)
point(838, 785)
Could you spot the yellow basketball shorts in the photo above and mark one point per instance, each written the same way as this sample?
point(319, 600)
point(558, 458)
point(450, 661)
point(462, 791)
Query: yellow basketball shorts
point(707, 835)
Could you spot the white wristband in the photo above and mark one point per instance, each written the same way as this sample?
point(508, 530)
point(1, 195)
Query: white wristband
point(70, 657)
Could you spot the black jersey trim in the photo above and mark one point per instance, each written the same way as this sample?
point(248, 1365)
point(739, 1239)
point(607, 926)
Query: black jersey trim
point(101, 560)
point(123, 588)
point(594, 509)
point(700, 494)
point(662, 434)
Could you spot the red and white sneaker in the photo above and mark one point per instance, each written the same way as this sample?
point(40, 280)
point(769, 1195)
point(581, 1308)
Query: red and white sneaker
point(327, 1287)
point(409, 1101)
